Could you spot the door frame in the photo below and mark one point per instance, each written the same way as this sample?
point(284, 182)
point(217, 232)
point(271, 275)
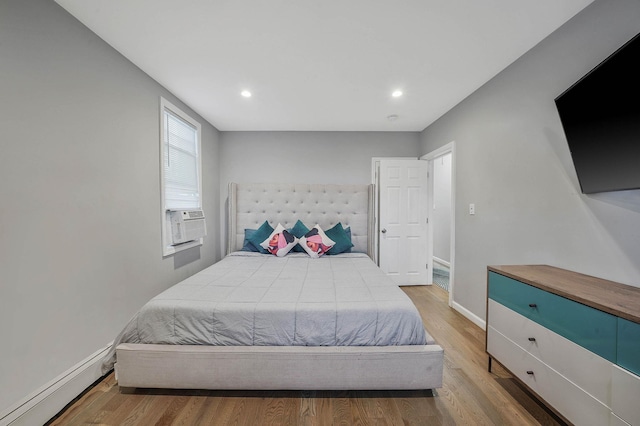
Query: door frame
point(430, 157)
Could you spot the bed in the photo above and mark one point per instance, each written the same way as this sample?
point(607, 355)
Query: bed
point(256, 321)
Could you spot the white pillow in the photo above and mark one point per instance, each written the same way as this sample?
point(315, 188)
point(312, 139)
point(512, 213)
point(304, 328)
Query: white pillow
point(280, 242)
point(315, 242)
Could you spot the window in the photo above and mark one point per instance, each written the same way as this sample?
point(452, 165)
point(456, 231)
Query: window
point(181, 165)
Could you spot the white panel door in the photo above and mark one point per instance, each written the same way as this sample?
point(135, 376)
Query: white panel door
point(403, 220)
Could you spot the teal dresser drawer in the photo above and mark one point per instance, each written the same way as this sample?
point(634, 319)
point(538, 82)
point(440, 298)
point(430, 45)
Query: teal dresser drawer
point(588, 327)
point(629, 345)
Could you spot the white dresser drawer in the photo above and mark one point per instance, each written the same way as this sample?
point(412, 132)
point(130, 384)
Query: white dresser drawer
point(587, 370)
point(625, 395)
point(572, 402)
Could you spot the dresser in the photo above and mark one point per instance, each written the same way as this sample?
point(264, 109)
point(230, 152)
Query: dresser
point(572, 339)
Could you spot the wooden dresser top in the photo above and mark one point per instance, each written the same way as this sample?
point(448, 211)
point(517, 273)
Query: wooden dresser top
point(614, 298)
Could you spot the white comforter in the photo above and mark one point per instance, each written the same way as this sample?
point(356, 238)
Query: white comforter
point(257, 299)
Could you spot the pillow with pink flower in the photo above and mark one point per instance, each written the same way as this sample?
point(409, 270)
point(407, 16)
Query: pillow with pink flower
point(315, 242)
point(280, 242)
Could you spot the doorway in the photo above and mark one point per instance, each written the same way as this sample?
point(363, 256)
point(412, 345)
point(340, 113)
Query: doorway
point(441, 208)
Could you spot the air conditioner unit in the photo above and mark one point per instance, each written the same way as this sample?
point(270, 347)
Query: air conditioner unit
point(187, 225)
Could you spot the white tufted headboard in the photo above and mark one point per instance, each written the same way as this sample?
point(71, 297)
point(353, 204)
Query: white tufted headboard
point(251, 204)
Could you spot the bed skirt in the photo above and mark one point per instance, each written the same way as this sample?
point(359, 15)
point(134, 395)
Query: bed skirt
point(280, 367)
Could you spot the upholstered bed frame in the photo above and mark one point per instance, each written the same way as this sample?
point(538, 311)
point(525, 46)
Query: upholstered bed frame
point(287, 367)
point(251, 204)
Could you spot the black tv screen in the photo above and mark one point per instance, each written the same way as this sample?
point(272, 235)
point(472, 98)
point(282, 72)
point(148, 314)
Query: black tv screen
point(600, 115)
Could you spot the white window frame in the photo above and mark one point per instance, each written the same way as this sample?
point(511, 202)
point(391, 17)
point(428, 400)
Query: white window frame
point(167, 248)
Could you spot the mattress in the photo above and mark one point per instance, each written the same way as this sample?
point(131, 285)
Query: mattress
point(252, 299)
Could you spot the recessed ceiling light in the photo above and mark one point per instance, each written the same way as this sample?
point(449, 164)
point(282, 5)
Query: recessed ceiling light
point(246, 93)
point(397, 93)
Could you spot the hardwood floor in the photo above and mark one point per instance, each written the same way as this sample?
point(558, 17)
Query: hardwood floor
point(470, 395)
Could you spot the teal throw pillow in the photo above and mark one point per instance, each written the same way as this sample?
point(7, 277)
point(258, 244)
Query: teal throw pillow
point(299, 230)
point(246, 245)
point(261, 234)
point(342, 239)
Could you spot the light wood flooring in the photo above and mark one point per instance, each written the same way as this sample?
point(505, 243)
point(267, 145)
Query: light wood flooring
point(470, 394)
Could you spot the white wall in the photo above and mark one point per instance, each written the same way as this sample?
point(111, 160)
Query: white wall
point(441, 215)
point(307, 157)
point(512, 161)
point(80, 247)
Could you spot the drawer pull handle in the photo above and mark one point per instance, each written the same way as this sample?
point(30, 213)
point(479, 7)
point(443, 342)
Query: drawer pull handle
point(529, 372)
point(533, 305)
point(532, 339)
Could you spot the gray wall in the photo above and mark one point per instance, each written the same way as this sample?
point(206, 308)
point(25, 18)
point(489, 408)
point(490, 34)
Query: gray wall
point(512, 161)
point(80, 247)
point(307, 157)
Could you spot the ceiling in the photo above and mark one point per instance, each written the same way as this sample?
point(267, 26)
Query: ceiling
point(328, 65)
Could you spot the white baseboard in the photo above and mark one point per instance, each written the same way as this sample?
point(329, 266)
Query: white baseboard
point(40, 406)
point(441, 261)
point(469, 315)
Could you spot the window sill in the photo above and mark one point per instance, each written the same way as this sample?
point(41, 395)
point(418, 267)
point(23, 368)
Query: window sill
point(171, 250)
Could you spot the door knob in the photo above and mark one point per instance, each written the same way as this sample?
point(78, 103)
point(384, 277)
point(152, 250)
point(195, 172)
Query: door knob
point(384, 231)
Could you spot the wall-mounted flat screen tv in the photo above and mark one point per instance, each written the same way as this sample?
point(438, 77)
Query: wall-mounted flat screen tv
point(600, 115)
